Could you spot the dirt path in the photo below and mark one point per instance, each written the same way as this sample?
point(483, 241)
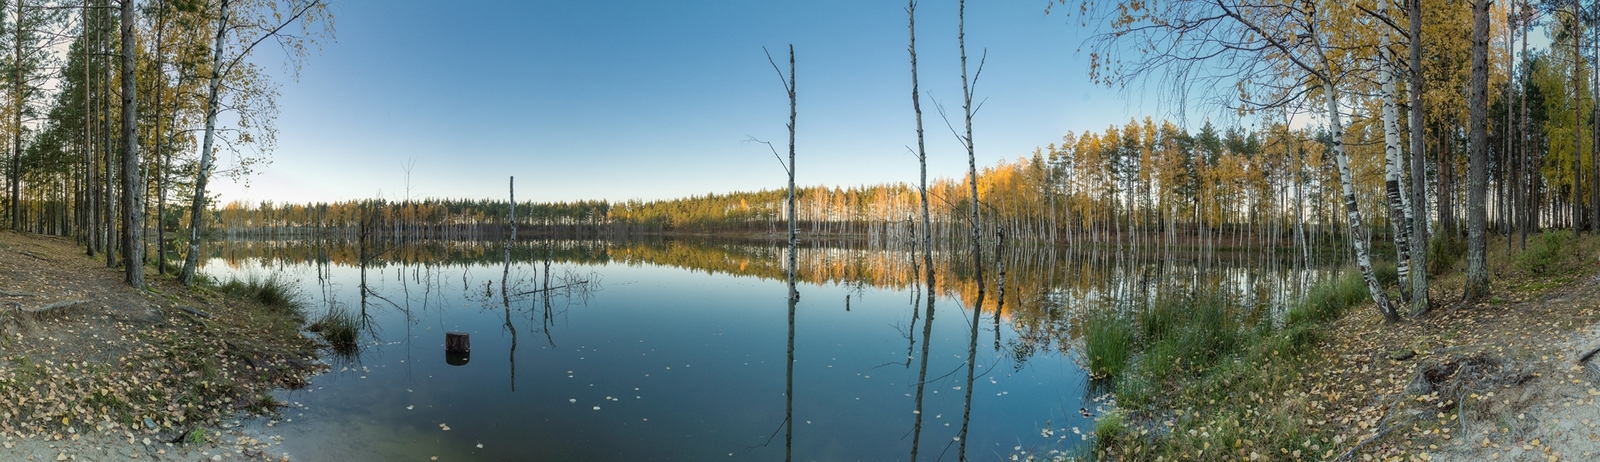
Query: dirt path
point(91, 369)
point(1497, 380)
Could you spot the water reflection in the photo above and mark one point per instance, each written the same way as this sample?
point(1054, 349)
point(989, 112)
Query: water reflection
point(685, 329)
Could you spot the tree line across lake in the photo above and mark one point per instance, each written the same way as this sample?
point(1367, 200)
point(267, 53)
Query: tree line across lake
point(1502, 138)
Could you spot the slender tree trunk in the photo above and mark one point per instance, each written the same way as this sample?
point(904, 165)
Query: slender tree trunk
point(160, 155)
point(972, 157)
point(1358, 228)
point(1477, 285)
point(1418, 217)
point(91, 177)
point(1528, 207)
point(922, 153)
point(1508, 168)
point(794, 294)
point(16, 109)
point(198, 205)
point(1393, 180)
point(1577, 116)
point(110, 190)
point(794, 237)
point(1594, 134)
point(132, 173)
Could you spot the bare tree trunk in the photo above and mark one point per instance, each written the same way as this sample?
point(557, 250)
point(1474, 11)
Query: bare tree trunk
point(922, 153)
point(132, 173)
point(972, 157)
point(1477, 171)
point(794, 294)
point(1418, 217)
point(794, 236)
point(198, 205)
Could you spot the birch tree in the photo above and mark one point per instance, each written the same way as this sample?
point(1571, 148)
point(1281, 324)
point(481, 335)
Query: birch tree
point(1268, 54)
point(241, 26)
point(1399, 210)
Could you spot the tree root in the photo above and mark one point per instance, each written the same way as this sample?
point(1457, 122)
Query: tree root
point(1384, 430)
point(1586, 356)
point(195, 312)
point(52, 306)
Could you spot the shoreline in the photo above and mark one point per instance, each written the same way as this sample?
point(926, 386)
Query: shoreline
point(1504, 378)
point(106, 371)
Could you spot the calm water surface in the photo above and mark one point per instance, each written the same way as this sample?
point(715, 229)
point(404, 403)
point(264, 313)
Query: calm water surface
point(676, 351)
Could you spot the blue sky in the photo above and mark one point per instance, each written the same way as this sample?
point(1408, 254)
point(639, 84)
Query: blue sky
point(613, 99)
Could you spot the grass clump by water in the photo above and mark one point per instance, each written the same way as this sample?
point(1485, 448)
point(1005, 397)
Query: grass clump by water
point(1108, 338)
point(272, 291)
point(1328, 300)
point(1201, 376)
point(340, 328)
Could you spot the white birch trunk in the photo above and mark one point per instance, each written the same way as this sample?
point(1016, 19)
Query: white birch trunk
point(1358, 228)
point(1392, 179)
point(207, 157)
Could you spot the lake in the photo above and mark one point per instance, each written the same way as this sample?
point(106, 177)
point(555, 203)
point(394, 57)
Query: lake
point(676, 350)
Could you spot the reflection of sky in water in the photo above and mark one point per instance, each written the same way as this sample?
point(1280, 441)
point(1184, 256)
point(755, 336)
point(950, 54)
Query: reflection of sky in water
point(682, 365)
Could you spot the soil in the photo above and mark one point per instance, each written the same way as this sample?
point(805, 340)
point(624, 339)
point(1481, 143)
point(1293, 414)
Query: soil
point(1504, 378)
point(93, 369)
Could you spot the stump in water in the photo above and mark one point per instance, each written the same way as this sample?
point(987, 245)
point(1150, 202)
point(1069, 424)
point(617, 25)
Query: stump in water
point(457, 343)
point(457, 348)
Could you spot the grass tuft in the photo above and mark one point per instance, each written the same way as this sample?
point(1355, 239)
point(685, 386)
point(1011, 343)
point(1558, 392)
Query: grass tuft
point(1108, 338)
point(273, 291)
point(340, 329)
point(1328, 300)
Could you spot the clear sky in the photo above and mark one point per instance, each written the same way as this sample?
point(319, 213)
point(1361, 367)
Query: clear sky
point(618, 99)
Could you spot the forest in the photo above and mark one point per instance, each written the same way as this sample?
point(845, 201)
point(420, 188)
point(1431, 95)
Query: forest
point(1338, 124)
point(1363, 146)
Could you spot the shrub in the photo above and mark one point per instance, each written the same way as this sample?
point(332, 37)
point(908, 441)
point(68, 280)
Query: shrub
point(1444, 250)
point(1386, 274)
point(1545, 252)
